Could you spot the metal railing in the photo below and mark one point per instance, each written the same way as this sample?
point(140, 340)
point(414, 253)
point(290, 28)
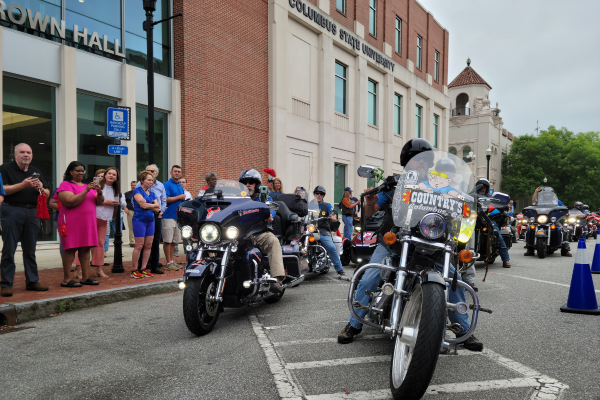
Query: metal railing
point(461, 111)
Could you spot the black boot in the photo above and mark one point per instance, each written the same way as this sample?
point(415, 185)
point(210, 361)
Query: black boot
point(473, 344)
point(347, 334)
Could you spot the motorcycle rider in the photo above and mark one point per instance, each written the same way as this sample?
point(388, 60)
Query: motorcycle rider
point(534, 198)
point(326, 210)
point(513, 228)
point(266, 241)
point(549, 195)
point(484, 189)
point(416, 156)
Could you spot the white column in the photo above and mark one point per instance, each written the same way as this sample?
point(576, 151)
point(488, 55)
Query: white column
point(388, 123)
point(412, 119)
point(66, 115)
point(326, 103)
point(444, 130)
point(129, 162)
point(175, 124)
point(360, 113)
point(428, 120)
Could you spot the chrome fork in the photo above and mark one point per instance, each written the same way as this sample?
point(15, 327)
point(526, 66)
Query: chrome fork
point(224, 261)
point(396, 316)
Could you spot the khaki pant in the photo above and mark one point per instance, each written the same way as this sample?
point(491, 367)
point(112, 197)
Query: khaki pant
point(268, 243)
point(130, 227)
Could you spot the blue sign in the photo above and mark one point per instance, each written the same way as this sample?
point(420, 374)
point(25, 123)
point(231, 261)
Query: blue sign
point(117, 123)
point(118, 150)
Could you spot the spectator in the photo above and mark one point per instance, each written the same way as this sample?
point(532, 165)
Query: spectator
point(183, 183)
point(211, 182)
point(100, 174)
point(348, 212)
point(277, 186)
point(77, 221)
point(170, 229)
point(129, 211)
point(270, 183)
point(145, 206)
point(357, 208)
point(159, 192)
point(19, 223)
point(300, 191)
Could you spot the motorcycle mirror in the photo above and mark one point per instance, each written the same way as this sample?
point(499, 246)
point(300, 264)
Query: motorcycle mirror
point(366, 171)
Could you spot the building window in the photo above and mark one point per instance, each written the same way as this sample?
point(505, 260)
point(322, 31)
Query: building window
point(339, 185)
point(436, 122)
point(397, 113)
point(452, 150)
point(465, 154)
point(436, 73)
point(51, 8)
point(419, 48)
point(29, 115)
point(418, 121)
point(372, 117)
point(373, 17)
point(340, 88)
point(341, 5)
point(398, 36)
point(161, 143)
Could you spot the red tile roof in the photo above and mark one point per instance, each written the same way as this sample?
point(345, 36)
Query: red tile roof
point(468, 76)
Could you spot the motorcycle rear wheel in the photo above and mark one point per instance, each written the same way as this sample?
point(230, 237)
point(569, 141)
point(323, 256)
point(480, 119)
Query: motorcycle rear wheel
point(540, 246)
point(413, 366)
point(199, 313)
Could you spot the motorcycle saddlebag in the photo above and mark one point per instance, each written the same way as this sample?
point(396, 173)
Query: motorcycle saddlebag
point(295, 203)
point(291, 259)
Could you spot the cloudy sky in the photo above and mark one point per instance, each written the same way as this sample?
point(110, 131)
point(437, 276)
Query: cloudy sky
point(541, 57)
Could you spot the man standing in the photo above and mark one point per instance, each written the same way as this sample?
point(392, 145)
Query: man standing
point(129, 211)
point(170, 230)
point(23, 183)
point(348, 212)
point(159, 191)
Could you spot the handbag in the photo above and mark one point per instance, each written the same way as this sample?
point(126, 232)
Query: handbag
point(63, 228)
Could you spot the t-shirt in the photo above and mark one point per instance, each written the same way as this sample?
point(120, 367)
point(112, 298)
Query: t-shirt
point(141, 214)
point(106, 212)
point(11, 175)
point(172, 189)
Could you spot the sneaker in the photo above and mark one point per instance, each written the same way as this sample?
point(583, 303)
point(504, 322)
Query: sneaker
point(147, 274)
point(170, 266)
point(473, 344)
point(136, 274)
point(341, 273)
point(347, 334)
point(475, 288)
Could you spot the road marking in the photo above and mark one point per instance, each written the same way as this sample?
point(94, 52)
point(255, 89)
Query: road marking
point(308, 323)
point(370, 395)
point(339, 361)
point(327, 340)
point(537, 280)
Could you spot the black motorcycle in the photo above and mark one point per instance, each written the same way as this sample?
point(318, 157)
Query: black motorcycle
point(544, 233)
point(361, 247)
point(496, 210)
point(224, 266)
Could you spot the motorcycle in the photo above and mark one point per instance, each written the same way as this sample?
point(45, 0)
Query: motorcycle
point(319, 261)
point(544, 234)
point(575, 229)
point(592, 222)
point(411, 302)
point(522, 224)
point(363, 244)
point(224, 267)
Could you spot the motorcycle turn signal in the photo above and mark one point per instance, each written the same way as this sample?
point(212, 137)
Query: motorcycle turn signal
point(465, 256)
point(390, 238)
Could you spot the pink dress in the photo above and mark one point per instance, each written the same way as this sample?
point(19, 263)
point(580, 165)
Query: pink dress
point(80, 221)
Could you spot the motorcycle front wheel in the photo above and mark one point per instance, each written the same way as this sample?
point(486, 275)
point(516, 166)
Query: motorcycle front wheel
point(199, 312)
point(540, 246)
point(413, 364)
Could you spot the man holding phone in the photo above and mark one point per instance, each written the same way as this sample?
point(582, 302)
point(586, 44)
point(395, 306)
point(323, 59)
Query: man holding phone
point(23, 184)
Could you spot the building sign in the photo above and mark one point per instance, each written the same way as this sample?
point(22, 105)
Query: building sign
point(36, 22)
point(306, 9)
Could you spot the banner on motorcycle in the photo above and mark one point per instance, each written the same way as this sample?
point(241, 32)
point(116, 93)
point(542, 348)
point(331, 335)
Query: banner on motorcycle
point(440, 203)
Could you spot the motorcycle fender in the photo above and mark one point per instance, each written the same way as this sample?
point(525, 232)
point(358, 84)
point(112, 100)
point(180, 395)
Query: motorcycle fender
point(431, 276)
point(199, 269)
point(540, 234)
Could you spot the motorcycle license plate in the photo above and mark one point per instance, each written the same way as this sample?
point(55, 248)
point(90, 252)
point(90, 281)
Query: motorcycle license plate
point(540, 232)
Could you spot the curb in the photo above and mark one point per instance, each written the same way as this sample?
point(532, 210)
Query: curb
point(32, 310)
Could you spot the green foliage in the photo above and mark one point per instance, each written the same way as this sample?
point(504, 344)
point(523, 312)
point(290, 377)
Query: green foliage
point(63, 306)
point(570, 162)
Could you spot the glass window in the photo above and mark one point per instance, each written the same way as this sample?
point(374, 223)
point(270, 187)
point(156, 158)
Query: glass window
point(397, 113)
point(136, 54)
point(372, 117)
point(436, 121)
point(465, 155)
point(51, 8)
point(418, 121)
point(92, 143)
point(452, 150)
point(419, 45)
point(341, 5)
point(29, 115)
point(340, 185)
point(373, 17)
point(398, 35)
point(436, 74)
point(92, 25)
point(161, 142)
point(340, 88)
point(106, 11)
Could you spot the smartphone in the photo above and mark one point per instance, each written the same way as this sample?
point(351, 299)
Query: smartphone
point(36, 175)
point(96, 179)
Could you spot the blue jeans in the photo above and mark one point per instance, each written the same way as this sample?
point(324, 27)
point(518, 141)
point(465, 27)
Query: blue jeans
point(370, 280)
point(503, 249)
point(348, 221)
point(327, 242)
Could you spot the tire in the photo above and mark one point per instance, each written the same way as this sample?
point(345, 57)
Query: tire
point(199, 318)
point(274, 298)
point(413, 366)
point(540, 246)
point(345, 258)
point(492, 260)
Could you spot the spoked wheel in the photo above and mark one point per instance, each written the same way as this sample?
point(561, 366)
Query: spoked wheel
point(415, 357)
point(540, 246)
point(199, 312)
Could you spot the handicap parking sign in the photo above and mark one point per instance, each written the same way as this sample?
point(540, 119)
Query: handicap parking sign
point(117, 123)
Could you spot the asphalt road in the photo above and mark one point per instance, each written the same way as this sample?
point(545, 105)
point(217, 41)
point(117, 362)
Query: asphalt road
point(141, 349)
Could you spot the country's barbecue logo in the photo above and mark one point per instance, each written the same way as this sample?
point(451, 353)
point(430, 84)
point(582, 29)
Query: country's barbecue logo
point(212, 211)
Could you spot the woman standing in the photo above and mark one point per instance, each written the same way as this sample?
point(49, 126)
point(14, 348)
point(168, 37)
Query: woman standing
point(145, 205)
point(104, 213)
point(76, 221)
point(277, 186)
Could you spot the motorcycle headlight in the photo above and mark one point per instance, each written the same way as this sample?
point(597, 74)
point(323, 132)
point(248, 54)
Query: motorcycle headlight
point(571, 219)
point(310, 228)
point(187, 232)
point(531, 219)
point(209, 233)
point(524, 221)
point(232, 232)
point(357, 228)
point(543, 219)
point(432, 226)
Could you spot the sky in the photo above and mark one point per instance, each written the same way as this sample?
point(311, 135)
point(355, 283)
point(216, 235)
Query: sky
point(541, 58)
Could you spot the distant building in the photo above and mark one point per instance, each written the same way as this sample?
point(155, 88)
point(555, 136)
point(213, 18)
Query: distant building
point(475, 127)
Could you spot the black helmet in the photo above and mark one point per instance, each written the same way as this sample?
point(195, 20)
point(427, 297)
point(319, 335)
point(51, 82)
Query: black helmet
point(445, 165)
point(252, 176)
point(578, 205)
point(320, 189)
point(482, 183)
point(414, 147)
point(586, 207)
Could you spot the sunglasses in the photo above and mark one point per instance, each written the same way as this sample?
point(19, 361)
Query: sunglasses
point(271, 180)
point(79, 171)
point(246, 182)
point(440, 174)
point(319, 193)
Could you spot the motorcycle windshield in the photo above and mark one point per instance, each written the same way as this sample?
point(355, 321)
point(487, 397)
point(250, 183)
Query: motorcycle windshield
point(547, 199)
point(229, 188)
point(436, 182)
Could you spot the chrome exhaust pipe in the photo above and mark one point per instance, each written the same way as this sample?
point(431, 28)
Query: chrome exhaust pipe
point(294, 282)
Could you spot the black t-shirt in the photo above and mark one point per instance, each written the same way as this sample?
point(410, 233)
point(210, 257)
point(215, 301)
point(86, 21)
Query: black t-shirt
point(128, 196)
point(12, 174)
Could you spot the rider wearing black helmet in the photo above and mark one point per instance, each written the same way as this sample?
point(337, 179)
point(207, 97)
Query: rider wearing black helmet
point(417, 157)
point(266, 241)
point(482, 187)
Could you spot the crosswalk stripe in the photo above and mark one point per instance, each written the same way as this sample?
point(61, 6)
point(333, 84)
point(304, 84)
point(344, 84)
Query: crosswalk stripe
point(339, 361)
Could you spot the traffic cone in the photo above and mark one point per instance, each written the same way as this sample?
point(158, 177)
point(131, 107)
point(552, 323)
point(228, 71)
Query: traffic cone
point(582, 296)
point(596, 259)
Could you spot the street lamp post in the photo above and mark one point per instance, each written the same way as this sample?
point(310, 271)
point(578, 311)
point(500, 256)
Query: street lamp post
point(488, 156)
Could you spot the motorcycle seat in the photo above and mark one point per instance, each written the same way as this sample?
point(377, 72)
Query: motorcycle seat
point(286, 216)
